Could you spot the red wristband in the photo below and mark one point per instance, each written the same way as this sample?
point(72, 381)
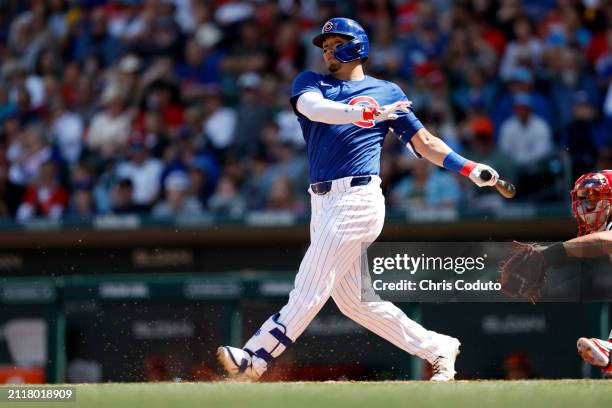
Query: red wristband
point(368, 112)
point(467, 168)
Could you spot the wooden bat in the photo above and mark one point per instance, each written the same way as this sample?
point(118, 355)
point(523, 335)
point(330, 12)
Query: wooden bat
point(504, 188)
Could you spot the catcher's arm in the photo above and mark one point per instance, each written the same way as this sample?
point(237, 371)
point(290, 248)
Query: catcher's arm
point(523, 274)
point(588, 246)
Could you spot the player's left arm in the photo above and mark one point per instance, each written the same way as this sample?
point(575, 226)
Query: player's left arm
point(588, 246)
point(411, 132)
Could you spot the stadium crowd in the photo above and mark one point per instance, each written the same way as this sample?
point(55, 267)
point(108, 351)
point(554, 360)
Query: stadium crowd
point(180, 107)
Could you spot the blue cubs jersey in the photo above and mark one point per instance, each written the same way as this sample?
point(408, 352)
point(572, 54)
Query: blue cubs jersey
point(336, 151)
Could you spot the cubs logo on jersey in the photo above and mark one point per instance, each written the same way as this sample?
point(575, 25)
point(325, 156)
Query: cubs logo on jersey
point(364, 101)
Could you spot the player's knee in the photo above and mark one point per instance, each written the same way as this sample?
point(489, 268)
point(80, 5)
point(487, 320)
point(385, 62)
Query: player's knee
point(346, 306)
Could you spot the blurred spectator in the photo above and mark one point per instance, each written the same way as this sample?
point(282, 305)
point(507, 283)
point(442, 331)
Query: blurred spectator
point(66, 131)
point(580, 135)
point(104, 187)
point(11, 194)
point(252, 114)
point(283, 156)
point(10, 132)
point(154, 134)
point(44, 197)
point(440, 122)
point(126, 77)
point(178, 202)
point(163, 96)
point(219, 121)
point(21, 83)
point(248, 53)
point(27, 154)
point(200, 184)
point(282, 198)
point(525, 136)
point(425, 188)
point(199, 69)
point(69, 82)
point(386, 56)
point(128, 25)
point(482, 149)
point(289, 127)
point(162, 36)
point(477, 93)
point(420, 92)
point(29, 34)
point(144, 172)
point(85, 104)
point(521, 82)
point(226, 201)
point(96, 40)
point(564, 27)
point(571, 78)
point(289, 51)
point(123, 199)
point(82, 205)
point(426, 44)
point(110, 128)
point(525, 49)
point(6, 106)
point(257, 186)
point(23, 106)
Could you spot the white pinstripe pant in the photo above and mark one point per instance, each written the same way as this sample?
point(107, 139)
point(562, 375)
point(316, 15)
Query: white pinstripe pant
point(341, 221)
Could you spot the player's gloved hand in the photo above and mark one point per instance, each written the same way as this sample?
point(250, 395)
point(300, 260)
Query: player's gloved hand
point(475, 175)
point(387, 111)
point(523, 273)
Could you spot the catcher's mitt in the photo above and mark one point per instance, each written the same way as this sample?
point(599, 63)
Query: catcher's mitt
point(523, 274)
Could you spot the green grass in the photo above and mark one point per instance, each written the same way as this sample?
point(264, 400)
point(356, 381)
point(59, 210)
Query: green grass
point(520, 394)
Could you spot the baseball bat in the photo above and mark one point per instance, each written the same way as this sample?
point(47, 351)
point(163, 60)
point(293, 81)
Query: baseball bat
point(504, 188)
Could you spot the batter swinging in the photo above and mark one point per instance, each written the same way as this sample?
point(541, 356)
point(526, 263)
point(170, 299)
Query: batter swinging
point(345, 116)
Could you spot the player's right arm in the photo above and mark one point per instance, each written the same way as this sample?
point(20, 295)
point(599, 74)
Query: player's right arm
point(318, 109)
point(308, 100)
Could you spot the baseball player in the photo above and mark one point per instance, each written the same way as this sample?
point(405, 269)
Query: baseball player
point(524, 273)
point(345, 116)
point(592, 207)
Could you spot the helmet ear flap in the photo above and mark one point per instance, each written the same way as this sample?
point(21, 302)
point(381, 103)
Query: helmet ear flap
point(353, 50)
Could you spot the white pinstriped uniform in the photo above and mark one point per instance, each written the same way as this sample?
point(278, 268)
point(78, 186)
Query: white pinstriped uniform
point(341, 221)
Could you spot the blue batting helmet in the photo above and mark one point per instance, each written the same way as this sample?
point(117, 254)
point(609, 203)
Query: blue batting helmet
point(356, 48)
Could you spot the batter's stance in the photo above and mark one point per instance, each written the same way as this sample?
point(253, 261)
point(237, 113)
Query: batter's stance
point(345, 116)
